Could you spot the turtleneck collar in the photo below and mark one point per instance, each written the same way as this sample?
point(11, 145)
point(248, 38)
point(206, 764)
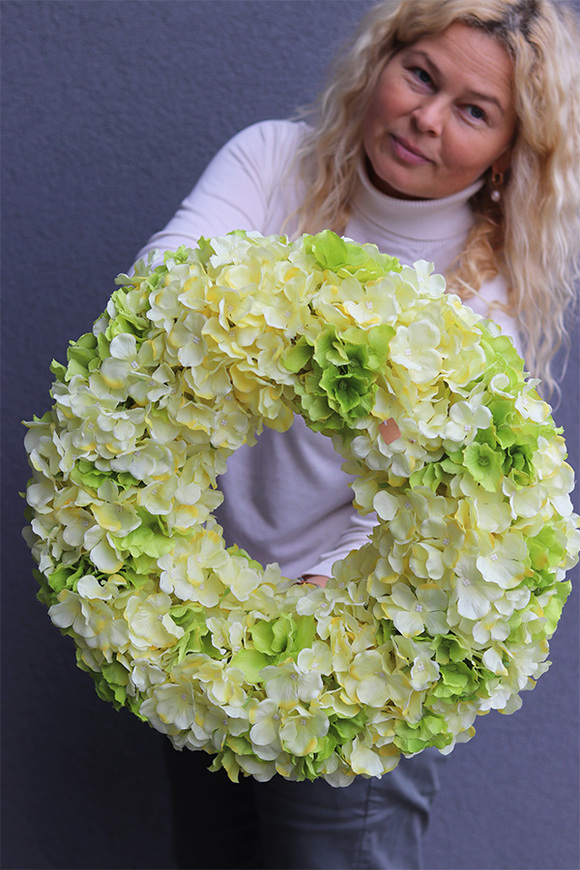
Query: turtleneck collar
point(425, 219)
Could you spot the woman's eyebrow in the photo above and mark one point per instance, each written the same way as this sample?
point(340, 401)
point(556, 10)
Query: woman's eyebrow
point(473, 94)
point(488, 98)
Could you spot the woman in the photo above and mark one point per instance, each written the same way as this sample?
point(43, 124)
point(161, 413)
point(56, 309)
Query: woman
point(449, 132)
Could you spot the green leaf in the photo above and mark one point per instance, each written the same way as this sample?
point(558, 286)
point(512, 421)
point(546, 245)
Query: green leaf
point(149, 539)
point(85, 474)
point(325, 747)
point(305, 632)
point(67, 576)
point(329, 249)
point(115, 673)
point(546, 549)
point(334, 253)
point(430, 731)
point(553, 610)
point(59, 370)
point(239, 745)
point(263, 636)
point(298, 356)
point(282, 633)
point(251, 662)
point(349, 728)
point(448, 648)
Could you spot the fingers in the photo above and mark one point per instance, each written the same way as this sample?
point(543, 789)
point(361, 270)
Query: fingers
point(313, 580)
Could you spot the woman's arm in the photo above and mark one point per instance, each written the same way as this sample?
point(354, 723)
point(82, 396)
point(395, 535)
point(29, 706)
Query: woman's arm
point(488, 301)
point(244, 187)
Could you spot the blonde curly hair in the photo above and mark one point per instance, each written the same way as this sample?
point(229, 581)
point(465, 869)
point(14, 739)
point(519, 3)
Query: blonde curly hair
point(532, 236)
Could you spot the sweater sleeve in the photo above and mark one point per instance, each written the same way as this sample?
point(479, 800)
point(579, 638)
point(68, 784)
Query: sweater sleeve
point(490, 302)
point(353, 537)
point(241, 189)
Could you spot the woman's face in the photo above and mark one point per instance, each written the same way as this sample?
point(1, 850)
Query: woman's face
point(442, 113)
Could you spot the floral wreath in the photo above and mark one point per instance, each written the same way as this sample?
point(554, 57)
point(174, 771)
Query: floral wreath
point(444, 614)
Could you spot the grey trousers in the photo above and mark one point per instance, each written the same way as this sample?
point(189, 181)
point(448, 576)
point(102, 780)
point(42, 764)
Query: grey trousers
point(375, 824)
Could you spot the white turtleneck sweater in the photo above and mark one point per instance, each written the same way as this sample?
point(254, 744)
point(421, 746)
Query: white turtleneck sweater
point(286, 499)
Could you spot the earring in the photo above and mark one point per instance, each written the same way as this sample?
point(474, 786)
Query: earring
point(497, 182)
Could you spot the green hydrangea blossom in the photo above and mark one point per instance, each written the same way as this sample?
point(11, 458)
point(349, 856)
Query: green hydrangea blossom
point(339, 373)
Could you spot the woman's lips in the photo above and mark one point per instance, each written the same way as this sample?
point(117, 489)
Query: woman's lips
point(408, 153)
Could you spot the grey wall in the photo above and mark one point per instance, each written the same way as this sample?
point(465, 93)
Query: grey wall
point(111, 110)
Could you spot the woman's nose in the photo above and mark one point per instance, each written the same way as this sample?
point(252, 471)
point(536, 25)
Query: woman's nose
point(429, 116)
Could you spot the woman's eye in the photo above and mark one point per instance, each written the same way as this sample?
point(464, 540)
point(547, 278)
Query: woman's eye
point(421, 74)
point(476, 112)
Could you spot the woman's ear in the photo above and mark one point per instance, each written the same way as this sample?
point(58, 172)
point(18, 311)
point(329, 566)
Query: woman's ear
point(502, 163)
